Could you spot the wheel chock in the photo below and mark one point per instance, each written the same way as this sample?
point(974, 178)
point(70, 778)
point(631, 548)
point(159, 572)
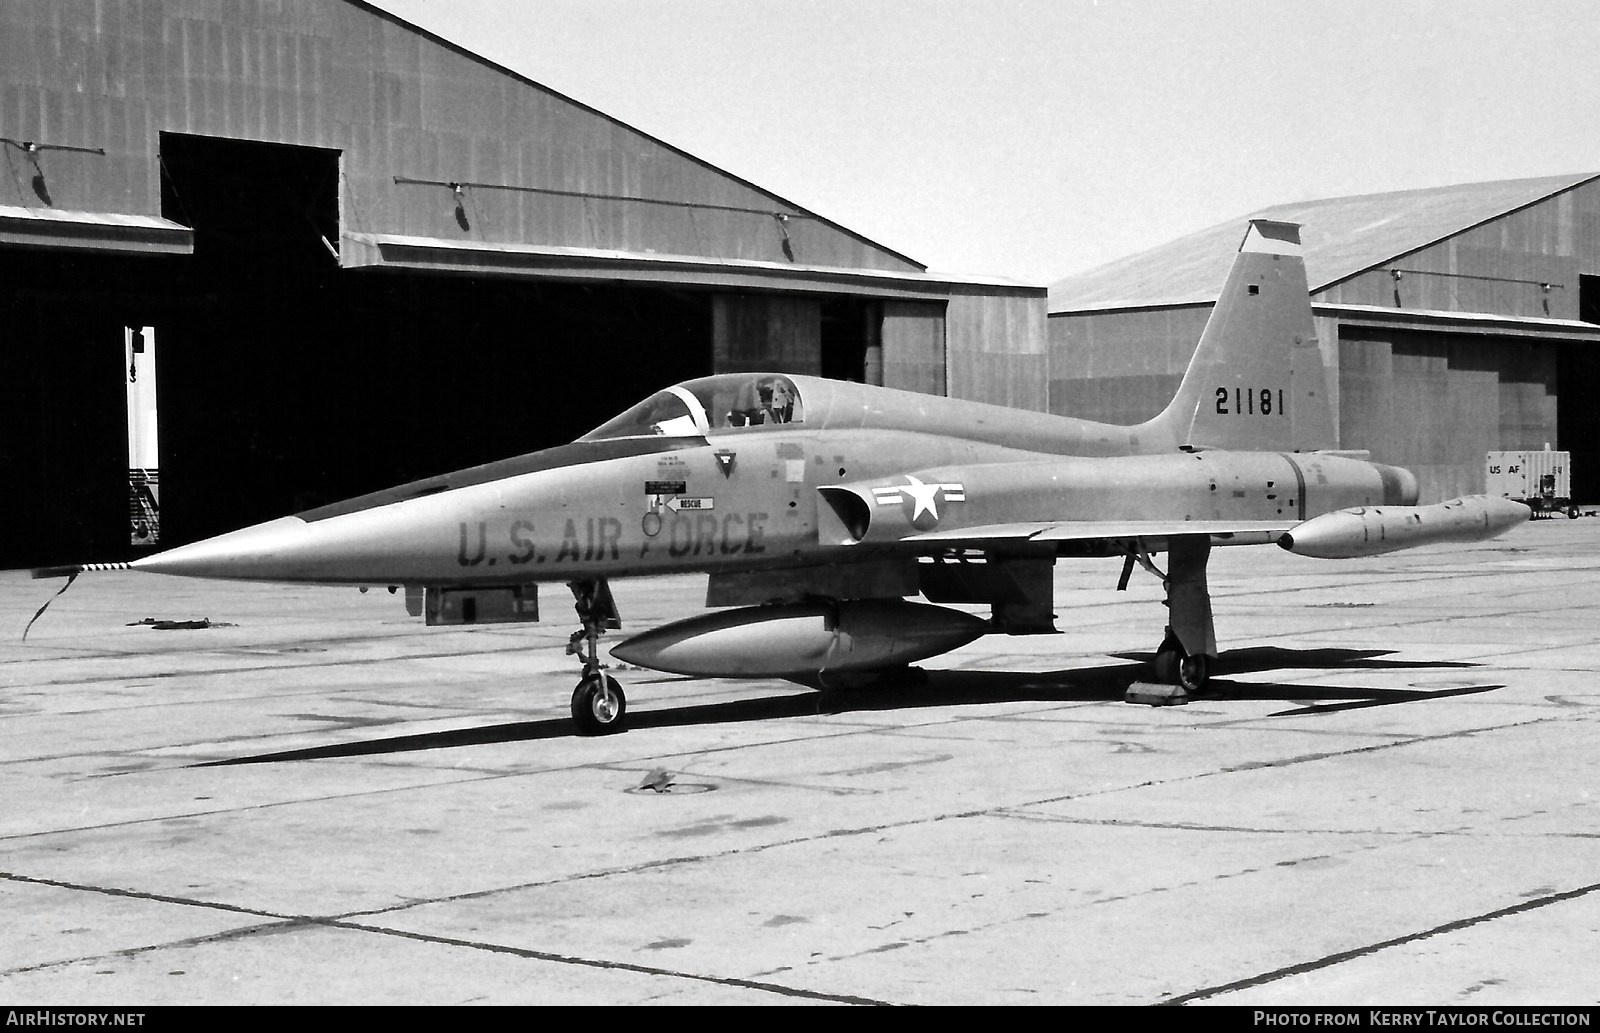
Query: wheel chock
point(1154, 695)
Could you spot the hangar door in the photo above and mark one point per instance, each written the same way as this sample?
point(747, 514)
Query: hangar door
point(914, 354)
point(1435, 403)
point(817, 335)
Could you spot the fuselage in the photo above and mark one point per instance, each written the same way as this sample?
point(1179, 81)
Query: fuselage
point(716, 487)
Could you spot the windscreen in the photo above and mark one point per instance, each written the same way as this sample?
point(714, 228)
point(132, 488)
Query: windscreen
point(728, 401)
point(673, 413)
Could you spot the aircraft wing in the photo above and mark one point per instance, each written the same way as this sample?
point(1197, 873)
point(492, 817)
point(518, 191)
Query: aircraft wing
point(1222, 532)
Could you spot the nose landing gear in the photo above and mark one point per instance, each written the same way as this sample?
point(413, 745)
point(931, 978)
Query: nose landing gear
point(598, 704)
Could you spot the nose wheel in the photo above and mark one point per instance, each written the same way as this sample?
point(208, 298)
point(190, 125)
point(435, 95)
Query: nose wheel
point(598, 704)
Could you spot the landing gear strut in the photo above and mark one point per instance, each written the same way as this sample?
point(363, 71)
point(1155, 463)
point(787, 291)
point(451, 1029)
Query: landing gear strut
point(598, 705)
point(1184, 658)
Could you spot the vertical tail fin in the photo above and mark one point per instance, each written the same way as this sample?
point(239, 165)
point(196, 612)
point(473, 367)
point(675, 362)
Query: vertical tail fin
point(1256, 381)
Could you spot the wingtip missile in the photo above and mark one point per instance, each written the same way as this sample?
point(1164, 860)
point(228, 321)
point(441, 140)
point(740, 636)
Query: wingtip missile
point(1375, 530)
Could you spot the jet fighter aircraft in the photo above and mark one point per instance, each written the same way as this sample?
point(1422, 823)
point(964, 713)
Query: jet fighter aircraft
point(818, 507)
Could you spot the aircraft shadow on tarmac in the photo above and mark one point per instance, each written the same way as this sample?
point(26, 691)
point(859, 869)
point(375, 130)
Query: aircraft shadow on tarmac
point(919, 689)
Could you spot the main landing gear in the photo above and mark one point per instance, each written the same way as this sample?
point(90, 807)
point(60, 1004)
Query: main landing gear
point(598, 705)
point(1174, 666)
point(1184, 657)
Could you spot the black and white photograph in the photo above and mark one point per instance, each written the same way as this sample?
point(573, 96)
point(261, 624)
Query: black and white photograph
point(1058, 503)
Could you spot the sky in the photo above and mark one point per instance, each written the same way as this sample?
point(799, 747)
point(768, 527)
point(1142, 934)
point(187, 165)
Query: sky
point(1033, 139)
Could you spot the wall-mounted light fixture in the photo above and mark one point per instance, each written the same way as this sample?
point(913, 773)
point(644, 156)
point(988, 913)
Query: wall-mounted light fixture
point(32, 148)
point(1545, 286)
point(458, 190)
point(783, 228)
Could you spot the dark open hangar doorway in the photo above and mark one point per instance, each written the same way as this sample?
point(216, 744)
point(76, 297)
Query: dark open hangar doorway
point(63, 425)
point(1578, 385)
point(286, 381)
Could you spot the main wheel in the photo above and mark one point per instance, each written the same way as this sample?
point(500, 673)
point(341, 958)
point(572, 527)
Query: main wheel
point(1166, 665)
point(1193, 672)
point(1572, 512)
point(1175, 667)
point(598, 705)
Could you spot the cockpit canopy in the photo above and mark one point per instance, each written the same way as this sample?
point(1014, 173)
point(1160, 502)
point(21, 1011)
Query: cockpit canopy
point(697, 407)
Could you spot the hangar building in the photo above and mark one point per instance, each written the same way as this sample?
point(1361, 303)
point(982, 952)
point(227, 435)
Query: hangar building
point(1452, 322)
point(346, 253)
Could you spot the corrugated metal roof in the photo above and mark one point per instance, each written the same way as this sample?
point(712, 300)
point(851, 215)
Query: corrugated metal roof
point(371, 8)
point(1343, 236)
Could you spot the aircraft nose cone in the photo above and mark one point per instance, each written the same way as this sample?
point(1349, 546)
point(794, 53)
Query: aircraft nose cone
point(255, 553)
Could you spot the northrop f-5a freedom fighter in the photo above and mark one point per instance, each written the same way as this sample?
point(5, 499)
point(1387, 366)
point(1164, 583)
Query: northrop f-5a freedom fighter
point(819, 507)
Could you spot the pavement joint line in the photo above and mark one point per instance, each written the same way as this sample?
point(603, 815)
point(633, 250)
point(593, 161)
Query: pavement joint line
point(281, 923)
point(257, 668)
point(1029, 916)
point(1340, 957)
point(1284, 762)
point(160, 898)
point(1573, 711)
point(1184, 826)
point(622, 966)
point(219, 811)
point(151, 948)
point(645, 761)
